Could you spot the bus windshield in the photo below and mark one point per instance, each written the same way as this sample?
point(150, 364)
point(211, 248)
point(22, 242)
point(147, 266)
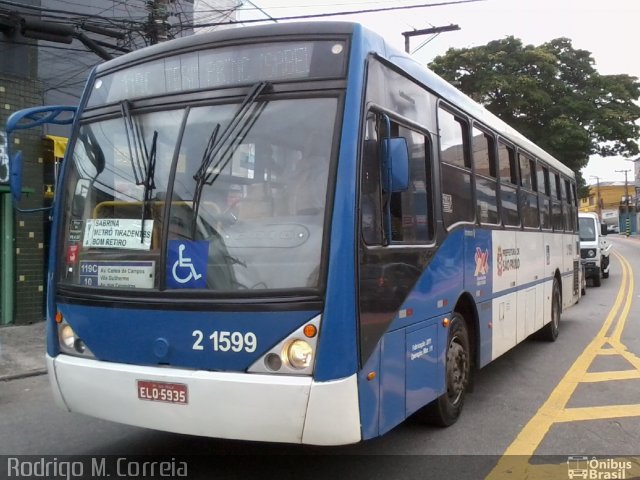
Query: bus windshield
point(228, 197)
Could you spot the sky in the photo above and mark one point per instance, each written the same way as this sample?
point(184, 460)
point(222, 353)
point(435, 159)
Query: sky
point(606, 28)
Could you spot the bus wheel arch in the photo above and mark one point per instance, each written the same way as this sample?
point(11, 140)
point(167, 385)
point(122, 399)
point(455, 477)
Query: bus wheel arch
point(466, 307)
point(459, 361)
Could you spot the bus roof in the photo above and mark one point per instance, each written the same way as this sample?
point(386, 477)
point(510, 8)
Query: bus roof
point(419, 72)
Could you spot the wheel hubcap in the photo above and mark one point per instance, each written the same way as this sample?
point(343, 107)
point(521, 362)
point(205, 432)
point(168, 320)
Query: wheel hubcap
point(456, 370)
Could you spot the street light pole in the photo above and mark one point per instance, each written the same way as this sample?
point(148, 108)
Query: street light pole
point(426, 31)
point(598, 196)
point(626, 201)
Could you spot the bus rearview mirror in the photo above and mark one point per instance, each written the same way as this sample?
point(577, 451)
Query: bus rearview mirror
point(395, 161)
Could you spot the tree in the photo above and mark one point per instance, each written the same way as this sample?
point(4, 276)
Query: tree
point(552, 94)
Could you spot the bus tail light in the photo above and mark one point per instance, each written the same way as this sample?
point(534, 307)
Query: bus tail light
point(294, 355)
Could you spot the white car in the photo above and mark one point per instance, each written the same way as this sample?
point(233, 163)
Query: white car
point(594, 247)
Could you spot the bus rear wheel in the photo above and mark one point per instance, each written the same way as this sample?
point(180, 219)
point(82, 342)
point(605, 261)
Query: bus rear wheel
point(550, 331)
point(446, 409)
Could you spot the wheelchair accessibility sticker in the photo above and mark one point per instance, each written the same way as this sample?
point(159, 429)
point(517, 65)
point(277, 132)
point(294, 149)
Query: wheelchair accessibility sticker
point(187, 264)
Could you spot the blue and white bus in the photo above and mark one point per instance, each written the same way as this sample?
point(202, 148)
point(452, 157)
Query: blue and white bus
point(294, 233)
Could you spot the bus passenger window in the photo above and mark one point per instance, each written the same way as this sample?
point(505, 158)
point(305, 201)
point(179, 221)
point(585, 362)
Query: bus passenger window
point(484, 162)
point(556, 203)
point(508, 189)
point(529, 199)
point(569, 208)
point(457, 190)
point(410, 212)
point(543, 196)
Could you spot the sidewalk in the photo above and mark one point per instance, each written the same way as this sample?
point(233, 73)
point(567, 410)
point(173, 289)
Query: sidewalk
point(22, 351)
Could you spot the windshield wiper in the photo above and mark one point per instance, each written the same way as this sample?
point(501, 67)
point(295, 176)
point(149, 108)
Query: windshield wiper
point(224, 145)
point(135, 142)
point(143, 161)
point(149, 182)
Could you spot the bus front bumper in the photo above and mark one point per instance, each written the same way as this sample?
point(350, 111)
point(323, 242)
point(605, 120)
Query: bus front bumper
point(272, 408)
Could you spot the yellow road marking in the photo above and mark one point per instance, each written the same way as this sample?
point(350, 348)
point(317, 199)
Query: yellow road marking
point(598, 413)
point(607, 351)
point(532, 434)
point(591, 377)
point(628, 356)
point(515, 461)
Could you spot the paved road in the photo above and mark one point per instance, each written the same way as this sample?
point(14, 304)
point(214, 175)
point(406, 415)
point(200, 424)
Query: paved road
point(579, 396)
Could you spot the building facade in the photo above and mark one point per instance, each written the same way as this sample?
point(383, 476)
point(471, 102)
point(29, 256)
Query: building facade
point(47, 50)
point(615, 202)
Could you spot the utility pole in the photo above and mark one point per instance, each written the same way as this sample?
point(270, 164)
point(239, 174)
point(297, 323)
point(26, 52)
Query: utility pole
point(598, 196)
point(626, 201)
point(157, 27)
point(426, 31)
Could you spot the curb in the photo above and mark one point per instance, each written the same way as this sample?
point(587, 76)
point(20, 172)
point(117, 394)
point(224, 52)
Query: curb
point(19, 376)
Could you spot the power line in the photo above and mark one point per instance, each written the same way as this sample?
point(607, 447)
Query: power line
point(338, 14)
point(50, 10)
point(262, 11)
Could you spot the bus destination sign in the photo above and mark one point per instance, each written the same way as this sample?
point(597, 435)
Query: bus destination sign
point(223, 67)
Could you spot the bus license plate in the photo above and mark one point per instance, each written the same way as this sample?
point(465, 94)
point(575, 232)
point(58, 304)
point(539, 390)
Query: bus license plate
point(163, 392)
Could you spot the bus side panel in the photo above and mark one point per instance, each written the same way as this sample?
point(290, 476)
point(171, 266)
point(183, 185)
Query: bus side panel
point(392, 381)
point(553, 255)
point(485, 332)
point(570, 283)
point(425, 376)
point(530, 276)
point(479, 267)
point(504, 304)
point(478, 263)
point(369, 395)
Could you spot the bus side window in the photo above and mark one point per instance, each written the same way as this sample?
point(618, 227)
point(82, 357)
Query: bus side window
point(543, 195)
point(457, 189)
point(556, 203)
point(411, 209)
point(508, 185)
point(484, 162)
point(569, 209)
point(529, 198)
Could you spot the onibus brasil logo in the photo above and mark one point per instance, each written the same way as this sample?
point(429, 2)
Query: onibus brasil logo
point(597, 469)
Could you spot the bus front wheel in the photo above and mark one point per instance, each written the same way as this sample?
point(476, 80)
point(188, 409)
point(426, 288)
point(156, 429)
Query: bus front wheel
point(445, 410)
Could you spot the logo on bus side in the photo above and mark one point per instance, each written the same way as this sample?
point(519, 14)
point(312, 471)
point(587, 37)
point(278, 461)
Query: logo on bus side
point(482, 262)
point(507, 260)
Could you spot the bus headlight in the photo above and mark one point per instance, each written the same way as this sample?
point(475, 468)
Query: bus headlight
point(70, 343)
point(299, 354)
point(295, 354)
point(67, 336)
